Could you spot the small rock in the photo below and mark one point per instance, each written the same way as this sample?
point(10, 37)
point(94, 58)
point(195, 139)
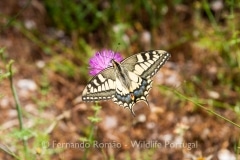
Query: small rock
point(40, 64)
point(27, 84)
point(31, 108)
point(217, 5)
point(166, 137)
point(4, 102)
point(141, 118)
point(110, 122)
point(151, 125)
point(146, 38)
point(213, 94)
point(12, 113)
point(225, 154)
point(30, 24)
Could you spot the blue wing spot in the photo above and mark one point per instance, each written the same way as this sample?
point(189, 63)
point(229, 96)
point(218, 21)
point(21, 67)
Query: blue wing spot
point(128, 98)
point(133, 96)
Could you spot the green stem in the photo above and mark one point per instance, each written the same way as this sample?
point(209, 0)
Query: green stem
point(18, 106)
point(90, 137)
point(205, 108)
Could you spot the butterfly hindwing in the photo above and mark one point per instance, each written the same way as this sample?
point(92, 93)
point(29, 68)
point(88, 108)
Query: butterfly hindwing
point(100, 87)
point(146, 64)
point(126, 82)
point(139, 91)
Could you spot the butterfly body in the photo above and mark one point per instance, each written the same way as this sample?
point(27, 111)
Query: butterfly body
point(127, 82)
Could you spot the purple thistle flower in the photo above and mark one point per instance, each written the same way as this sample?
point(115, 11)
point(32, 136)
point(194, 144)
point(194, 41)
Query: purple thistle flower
point(102, 60)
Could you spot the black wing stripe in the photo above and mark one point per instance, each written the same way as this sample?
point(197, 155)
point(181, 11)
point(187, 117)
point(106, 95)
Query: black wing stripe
point(100, 87)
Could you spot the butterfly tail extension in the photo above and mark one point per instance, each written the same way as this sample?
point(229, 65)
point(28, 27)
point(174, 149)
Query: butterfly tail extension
point(126, 82)
point(131, 109)
point(138, 94)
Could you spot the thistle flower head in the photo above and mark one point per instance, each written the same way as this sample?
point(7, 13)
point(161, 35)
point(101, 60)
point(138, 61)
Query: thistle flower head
point(102, 60)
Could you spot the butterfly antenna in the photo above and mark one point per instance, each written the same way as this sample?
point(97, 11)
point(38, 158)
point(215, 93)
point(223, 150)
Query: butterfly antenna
point(117, 48)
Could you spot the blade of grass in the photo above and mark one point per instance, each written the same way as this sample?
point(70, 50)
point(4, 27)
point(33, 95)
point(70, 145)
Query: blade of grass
point(205, 108)
point(210, 15)
point(179, 94)
point(10, 20)
point(7, 150)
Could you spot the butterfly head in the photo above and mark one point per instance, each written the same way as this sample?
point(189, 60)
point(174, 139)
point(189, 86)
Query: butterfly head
point(115, 64)
point(127, 81)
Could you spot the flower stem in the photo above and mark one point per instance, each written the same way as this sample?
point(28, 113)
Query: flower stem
point(94, 119)
point(18, 106)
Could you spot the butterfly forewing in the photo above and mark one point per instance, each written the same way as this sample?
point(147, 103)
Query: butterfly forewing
point(127, 82)
point(100, 87)
point(146, 64)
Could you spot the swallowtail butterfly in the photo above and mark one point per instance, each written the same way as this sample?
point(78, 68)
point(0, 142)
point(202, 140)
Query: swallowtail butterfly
point(127, 82)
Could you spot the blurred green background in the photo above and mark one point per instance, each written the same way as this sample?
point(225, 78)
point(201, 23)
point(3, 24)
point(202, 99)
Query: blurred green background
point(51, 42)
